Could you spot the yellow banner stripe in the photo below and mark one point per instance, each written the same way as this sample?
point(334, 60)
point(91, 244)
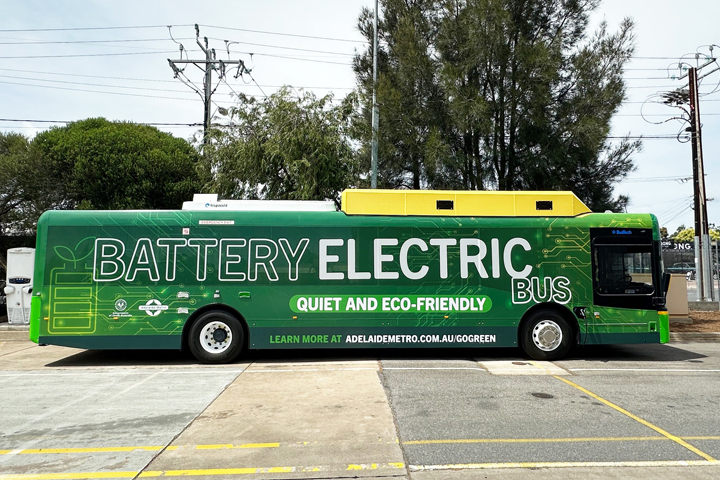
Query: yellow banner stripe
point(659, 430)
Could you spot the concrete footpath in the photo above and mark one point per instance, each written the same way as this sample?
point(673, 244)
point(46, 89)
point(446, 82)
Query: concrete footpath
point(618, 411)
point(10, 332)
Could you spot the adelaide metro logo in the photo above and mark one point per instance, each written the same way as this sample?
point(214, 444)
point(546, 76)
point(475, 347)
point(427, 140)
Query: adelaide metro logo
point(153, 307)
point(120, 305)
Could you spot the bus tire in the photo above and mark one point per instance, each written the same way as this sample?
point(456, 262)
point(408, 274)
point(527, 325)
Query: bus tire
point(216, 337)
point(546, 336)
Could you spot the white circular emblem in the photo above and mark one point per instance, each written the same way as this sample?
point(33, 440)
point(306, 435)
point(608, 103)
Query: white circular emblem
point(153, 307)
point(120, 305)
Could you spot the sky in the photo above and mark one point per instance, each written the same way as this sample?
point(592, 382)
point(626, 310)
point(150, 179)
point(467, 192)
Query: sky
point(67, 60)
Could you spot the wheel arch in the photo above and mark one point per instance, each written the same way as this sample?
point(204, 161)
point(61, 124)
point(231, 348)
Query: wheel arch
point(562, 310)
point(216, 306)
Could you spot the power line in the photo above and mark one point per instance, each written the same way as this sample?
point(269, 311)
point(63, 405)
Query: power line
point(95, 84)
point(163, 124)
point(670, 136)
point(63, 42)
point(284, 48)
point(181, 25)
point(679, 179)
point(89, 55)
point(646, 115)
point(87, 28)
point(133, 79)
point(96, 91)
point(168, 52)
point(293, 58)
point(130, 40)
point(283, 34)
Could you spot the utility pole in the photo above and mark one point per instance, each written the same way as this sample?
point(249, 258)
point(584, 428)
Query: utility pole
point(207, 65)
point(691, 96)
point(702, 234)
point(209, 57)
point(375, 108)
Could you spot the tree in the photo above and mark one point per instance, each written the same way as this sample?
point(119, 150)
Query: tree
point(283, 148)
point(688, 235)
point(499, 94)
point(98, 164)
point(412, 102)
point(22, 194)
point(13, 192)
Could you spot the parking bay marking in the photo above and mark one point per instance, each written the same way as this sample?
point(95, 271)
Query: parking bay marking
point(661, 370)
point(203, 472)
point(659, 430)
point(496, 466)
point(229, 446)
point(398, 467)
point(549, 440)
point(147, 448)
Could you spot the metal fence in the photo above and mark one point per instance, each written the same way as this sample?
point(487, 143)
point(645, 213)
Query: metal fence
point(679, 257)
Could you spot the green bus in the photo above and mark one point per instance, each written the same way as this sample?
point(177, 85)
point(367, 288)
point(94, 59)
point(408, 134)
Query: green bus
point(392, 269)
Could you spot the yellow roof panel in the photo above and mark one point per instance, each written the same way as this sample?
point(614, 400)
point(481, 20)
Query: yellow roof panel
point(462, 203)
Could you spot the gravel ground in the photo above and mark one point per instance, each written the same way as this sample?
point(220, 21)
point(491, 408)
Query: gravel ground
point(702, 322)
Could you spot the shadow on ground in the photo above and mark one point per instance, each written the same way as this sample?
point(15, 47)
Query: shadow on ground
point(603, 353)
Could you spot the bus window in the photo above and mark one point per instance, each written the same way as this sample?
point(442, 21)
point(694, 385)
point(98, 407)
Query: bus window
point(621, 273)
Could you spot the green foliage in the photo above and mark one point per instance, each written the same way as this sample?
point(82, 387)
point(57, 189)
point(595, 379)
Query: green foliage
point(688, 235)
point(283, 148)
point(21, 200)
point(13, 191)
point(497, 94)
point(98, 164)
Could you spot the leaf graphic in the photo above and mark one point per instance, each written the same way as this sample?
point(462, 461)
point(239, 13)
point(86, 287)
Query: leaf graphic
point(69, 255)
point(84, 248)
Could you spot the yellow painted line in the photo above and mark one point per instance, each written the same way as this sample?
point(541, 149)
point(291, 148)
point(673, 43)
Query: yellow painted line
point(534, 440)
point(152, 448)
point(157, 448)
point(231, 446)
point(66, 476)
point(497, 466)
point(199, 472)
point(33, 451)
point(659, 430)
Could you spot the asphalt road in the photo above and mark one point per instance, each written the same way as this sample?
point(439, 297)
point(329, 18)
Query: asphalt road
point(640, 411)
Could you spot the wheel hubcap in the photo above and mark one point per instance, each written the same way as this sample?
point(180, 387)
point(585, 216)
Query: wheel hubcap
point(215, 337)
point(547, 335)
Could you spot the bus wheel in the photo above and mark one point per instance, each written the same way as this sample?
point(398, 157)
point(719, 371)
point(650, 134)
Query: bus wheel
point(546, 336)
point(216, 337)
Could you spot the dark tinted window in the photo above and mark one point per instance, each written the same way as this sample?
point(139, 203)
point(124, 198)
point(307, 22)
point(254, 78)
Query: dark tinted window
point(623, 269)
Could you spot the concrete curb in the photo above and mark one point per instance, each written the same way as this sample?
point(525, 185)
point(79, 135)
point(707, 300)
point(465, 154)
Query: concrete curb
point(685, 337)
point(10, 332)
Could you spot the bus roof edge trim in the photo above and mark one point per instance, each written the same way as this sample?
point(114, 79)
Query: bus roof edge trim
point(462, 203)
point(260, 205)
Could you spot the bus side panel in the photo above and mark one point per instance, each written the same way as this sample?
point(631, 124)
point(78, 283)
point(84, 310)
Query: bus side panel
point(608, 325)
point(80, 308)
point(308, 280)
point(468, 306)
point(37, 312)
